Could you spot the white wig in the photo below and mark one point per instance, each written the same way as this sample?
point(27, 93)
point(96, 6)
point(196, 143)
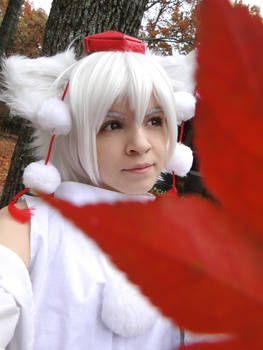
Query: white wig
point(95, 83)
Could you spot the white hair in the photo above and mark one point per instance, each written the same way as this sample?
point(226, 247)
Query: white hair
point(95, 83)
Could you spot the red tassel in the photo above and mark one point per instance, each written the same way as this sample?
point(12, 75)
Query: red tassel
point(21, 215)
point(173, 191)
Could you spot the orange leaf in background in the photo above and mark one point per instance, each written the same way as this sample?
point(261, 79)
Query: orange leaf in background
point(203, 265)
point(229, 122)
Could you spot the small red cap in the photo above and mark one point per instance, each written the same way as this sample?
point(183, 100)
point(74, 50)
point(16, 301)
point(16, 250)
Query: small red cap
point(113, 41)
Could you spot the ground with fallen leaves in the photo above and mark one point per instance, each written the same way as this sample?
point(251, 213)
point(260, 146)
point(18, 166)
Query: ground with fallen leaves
point(7, 145)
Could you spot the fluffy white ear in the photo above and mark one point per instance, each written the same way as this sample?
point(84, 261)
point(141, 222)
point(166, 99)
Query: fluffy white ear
point(54, 116)
point(41, 177)
point(180, 70)
point(27, 82)
point(181, 160)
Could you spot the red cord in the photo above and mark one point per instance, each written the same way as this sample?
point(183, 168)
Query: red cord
point(181, 132)
point(65, 91)
point(49, 150)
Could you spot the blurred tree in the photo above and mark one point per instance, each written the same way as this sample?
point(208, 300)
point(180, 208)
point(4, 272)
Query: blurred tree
point(9, 11)
point(28, 39)
point(170, 25)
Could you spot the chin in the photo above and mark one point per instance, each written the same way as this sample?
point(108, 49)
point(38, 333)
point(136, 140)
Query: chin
point(138, 190)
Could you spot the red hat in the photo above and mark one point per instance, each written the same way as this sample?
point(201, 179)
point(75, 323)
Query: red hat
point(113, 41)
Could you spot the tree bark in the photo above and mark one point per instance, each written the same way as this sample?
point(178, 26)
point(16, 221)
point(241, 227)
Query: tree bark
point(9, 24)
point(21, 157)
point(76, 19)
point(70, 19)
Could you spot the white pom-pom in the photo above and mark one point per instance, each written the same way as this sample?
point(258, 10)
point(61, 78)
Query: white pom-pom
point(181, 160)
point(41, 177)
point(125, 310)
point(54, 116)
point(185, 105)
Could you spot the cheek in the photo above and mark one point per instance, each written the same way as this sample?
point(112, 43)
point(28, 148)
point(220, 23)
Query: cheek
point(161, 147)
point(102, 153)
point(108, 149)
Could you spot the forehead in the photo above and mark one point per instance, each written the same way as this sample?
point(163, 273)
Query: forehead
point(122, 105)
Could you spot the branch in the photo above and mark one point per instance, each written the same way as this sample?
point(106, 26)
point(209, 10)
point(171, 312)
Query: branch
point(172, 39)
point(151, 5)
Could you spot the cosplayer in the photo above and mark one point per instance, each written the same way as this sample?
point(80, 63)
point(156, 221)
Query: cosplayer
point(106, 127)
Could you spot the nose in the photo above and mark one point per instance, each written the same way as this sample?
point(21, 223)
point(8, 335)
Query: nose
point(137, 142)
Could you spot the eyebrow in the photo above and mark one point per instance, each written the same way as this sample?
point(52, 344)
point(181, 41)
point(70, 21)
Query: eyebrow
point(115, 114)
point(122, 116)
point(153, 111)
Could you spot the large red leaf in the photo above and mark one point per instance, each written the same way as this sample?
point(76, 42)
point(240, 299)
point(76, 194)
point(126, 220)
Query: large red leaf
point(196, 268)
point(232, 344)
point(229, 122)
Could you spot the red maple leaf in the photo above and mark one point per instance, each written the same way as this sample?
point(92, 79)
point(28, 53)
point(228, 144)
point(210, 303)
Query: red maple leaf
point(200, 263)
point(229, 124)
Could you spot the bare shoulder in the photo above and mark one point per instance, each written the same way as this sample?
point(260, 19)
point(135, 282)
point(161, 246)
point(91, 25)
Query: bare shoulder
point(14, 235)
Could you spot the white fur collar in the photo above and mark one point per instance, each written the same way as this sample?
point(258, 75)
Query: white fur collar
point(81, 194)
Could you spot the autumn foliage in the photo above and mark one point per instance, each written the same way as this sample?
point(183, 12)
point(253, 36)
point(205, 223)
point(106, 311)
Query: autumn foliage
point(201, 263)
point(170, 24)
point(29, 35)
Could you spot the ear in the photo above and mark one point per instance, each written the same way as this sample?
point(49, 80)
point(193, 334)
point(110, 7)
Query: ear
point(28, 82)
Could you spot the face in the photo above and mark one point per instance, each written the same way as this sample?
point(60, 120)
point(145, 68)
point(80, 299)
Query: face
point(131, 156)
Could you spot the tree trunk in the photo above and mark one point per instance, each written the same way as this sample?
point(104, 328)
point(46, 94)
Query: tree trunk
point(21, 157)
point(9, 24)
point(70, 19)
point(76, 19)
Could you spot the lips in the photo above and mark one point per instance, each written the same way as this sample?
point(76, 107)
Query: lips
point(139, 168)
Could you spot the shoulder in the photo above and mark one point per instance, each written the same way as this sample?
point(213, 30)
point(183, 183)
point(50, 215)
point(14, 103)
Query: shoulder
point(14, 235)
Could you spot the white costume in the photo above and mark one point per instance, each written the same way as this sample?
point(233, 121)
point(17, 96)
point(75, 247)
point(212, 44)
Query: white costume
point(71, 297)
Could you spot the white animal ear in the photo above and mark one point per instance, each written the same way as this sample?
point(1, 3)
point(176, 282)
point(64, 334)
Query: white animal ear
point(181, 160)
point(28, 82)
point(181, 72)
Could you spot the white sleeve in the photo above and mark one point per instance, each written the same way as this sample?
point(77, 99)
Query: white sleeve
point(16, 301)
point(9, 315)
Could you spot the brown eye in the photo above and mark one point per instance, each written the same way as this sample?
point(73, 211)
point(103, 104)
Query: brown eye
point(155, 121)
point(111, 125)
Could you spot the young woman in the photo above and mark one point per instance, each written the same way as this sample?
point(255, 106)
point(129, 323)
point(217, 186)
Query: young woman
point(115, 129)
